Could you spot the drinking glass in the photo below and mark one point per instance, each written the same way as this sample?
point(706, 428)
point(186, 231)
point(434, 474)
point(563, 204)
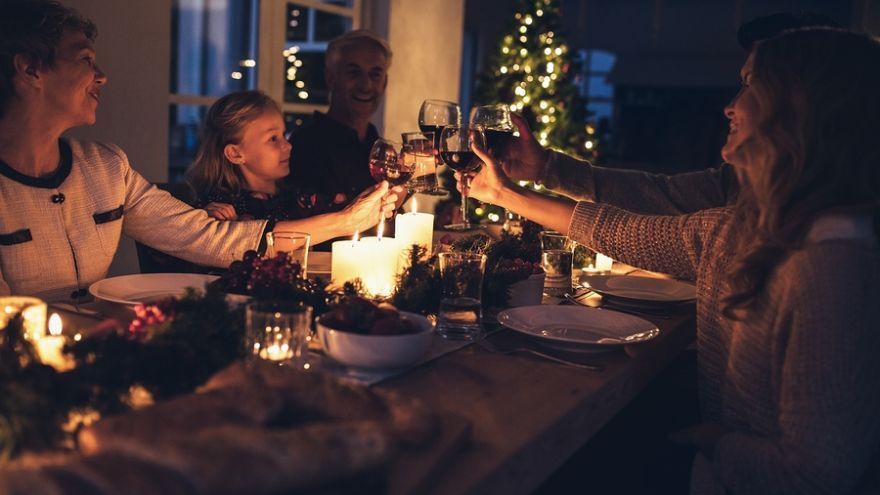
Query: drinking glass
point(434, 115)
point(295, 244)
point(461, 310)
point(418, 152)
point(495, 119)
point(386, 163)
point(278, 331)
point(556, 260)
point(456, 152)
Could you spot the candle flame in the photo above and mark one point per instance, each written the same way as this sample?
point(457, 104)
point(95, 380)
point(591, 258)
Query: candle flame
point(380, 229)
point(414, 208)
point(356, 235)
point(55, 324)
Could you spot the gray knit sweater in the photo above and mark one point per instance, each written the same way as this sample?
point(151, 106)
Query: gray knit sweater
point(58, 235)
point(798, 381)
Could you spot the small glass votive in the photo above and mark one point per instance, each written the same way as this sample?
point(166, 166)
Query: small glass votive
point(295, 244)
point(33, 312)
point(556, 260)
point(461, 310)
point(279, 331)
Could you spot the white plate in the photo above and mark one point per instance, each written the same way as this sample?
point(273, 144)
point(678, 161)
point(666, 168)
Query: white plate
point(641, 288)
point(145, 287)
point(579, 325)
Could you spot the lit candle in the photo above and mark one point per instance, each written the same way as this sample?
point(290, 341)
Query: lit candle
point(276, 352)
point(50, 347)
point(344, 260)
point(33, 314)
point(414, 228)
point(378, 267)
point(603, 263)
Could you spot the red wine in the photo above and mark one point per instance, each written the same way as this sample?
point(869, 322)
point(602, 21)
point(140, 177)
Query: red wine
point(463, 161)
point(392, 172)
point(497, 139)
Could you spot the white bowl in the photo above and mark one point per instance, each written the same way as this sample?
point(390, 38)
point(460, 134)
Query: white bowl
point(378, 351)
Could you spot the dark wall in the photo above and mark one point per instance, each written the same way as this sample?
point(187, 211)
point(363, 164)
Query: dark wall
point(677, 66)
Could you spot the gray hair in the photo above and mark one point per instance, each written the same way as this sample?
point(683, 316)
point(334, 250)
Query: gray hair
point(358, 37)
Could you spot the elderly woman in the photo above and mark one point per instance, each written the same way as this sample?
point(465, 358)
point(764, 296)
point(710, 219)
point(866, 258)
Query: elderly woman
point(787, 278)
point(64, 202)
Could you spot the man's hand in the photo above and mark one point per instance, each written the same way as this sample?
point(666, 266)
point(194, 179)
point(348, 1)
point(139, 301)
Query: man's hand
point(523, 158)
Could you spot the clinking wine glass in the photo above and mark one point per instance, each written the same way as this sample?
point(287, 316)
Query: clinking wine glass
point(434, 115)
point(456, 151)
point(418, 153)
point(386, 163)
point(495, 119)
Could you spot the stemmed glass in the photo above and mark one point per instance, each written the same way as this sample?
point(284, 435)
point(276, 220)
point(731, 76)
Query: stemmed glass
point(495, 119)
point(387, 163)
point(434, 115)
point(455, 150)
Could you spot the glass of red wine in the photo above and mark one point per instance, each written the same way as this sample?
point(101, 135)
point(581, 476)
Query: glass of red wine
point(495, 119)
point(434, 115)
point(456, 152)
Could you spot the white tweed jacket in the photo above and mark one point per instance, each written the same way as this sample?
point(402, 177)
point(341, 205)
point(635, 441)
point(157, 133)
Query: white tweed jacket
point(58, 234)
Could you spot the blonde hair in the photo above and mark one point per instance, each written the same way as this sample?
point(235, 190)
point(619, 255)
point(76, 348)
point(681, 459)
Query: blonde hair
point(815, 149)
point(358, 37)
point(225, 122)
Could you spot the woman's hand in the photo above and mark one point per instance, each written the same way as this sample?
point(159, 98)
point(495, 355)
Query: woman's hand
point(370, 206)
point(524, 157)
point(221, 211)
point(490, 183)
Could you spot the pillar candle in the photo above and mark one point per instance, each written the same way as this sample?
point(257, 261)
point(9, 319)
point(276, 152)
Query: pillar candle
point(377, 267)
point(414, 228)
point(603, 263)
point(344, 260)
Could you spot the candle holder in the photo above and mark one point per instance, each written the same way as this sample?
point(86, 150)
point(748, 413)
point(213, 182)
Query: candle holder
point(33, 312)
point(279, 331)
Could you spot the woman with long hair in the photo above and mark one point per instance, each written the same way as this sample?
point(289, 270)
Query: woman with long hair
point(787, 278)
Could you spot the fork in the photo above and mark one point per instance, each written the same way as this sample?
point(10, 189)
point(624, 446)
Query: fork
point(493, 348)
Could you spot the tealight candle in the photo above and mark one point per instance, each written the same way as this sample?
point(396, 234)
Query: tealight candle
point(414, 228)
point(50, 347)
point(33, 313)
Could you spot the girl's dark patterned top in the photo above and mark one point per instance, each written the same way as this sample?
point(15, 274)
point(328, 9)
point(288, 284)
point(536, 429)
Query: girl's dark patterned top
point(288, 204)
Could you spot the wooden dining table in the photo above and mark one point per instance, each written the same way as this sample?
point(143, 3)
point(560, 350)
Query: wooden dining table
point(508, 420)
point(526, 415)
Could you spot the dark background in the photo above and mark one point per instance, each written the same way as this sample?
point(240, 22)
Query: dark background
point(677, 66)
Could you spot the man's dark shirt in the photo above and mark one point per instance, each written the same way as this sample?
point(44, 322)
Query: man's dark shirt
point(327, 157)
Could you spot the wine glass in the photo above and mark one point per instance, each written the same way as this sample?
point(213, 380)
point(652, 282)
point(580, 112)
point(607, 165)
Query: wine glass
point(456, 152)
point(495, 119)
point(418, 152)
point(434, 115)
point(386, 163)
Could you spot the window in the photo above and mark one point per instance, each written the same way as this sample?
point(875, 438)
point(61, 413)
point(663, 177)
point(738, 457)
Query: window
point(220, 46)
point(599, 93)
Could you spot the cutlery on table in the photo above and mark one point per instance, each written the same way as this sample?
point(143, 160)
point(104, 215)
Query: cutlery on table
point(496, 349)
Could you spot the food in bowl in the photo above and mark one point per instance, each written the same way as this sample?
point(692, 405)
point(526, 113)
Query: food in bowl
point(361, 334)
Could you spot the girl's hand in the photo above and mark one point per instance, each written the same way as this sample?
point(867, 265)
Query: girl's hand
point(370, 206)
point(490, 183)
point(221, 211)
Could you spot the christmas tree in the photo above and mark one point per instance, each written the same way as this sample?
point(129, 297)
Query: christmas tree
point(533, 72)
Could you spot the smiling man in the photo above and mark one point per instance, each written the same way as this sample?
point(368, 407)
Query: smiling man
point(330, 154)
